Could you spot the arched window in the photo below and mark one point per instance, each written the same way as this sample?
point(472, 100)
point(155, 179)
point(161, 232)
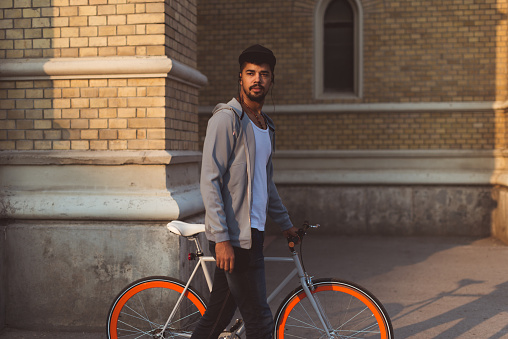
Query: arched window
point(338, 49)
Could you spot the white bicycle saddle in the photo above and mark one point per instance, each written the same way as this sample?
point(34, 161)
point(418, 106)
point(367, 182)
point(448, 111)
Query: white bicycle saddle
point(185, 229)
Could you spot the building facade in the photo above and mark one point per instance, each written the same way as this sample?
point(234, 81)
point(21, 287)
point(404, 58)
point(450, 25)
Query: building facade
point(390, 115)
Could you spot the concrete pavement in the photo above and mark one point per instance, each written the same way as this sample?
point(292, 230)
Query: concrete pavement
point(432, 287)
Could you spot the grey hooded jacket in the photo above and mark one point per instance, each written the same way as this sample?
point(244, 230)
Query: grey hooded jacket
point(227, 170)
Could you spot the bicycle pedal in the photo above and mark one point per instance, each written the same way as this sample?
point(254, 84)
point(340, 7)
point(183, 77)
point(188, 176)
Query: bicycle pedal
point(228, 335)
point(236, 326)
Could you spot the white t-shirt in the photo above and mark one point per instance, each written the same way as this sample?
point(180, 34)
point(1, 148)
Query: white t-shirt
point(260, 187)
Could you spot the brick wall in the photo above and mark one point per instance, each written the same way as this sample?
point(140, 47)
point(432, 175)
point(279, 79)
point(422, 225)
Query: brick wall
point(447, 130)
point(94, 112)
point(452, 50)
point(384, 130)
point(97, 114)
point(414, 52)
point(81, 28)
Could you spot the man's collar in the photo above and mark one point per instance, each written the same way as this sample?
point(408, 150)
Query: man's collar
point(237, 107)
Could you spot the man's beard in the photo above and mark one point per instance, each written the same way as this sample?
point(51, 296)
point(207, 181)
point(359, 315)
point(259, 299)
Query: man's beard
point(256, 98)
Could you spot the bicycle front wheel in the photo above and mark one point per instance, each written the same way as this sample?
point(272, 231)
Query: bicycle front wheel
point(350, 310)
point(142, 309)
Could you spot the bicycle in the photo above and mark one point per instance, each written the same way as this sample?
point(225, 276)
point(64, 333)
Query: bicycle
point(165, 307)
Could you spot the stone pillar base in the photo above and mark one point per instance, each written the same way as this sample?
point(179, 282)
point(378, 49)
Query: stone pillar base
point(64, 275)
point(79, 226)
point(500, 215)
point(392, 210)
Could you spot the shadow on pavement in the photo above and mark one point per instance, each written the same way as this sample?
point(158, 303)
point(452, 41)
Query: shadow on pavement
point(432, 287)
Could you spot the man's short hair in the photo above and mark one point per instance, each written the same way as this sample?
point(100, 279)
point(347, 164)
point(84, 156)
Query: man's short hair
point(257, 54)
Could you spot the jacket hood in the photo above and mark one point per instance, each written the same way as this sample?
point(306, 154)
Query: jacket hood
point(237, 107)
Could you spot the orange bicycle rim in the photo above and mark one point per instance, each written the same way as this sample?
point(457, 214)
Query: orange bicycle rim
point(344, 289)
point(144, 286)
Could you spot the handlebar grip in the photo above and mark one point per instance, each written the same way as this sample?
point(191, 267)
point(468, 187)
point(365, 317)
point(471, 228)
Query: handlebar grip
point(293, 240)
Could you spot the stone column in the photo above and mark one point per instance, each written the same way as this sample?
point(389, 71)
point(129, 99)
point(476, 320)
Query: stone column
point(98, 151)
point(80, 225)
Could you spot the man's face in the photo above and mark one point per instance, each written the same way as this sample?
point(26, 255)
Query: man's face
point(255, 81)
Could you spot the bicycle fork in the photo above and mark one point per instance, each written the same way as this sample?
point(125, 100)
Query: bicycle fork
point(308, 288)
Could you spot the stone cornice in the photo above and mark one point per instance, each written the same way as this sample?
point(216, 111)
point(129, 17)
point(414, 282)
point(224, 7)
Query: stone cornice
point(100, 185)
point(100, 67)
point(77, 157)
point(472, 106)
point(164, 185)
point(387, 167)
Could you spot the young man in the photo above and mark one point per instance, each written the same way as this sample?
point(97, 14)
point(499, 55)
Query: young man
point(238, 192)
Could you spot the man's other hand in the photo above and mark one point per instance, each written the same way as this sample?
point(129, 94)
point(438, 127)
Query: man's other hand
point(225, 256)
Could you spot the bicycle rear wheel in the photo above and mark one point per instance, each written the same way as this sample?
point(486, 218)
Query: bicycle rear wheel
point(142, 309)
point(353, 312)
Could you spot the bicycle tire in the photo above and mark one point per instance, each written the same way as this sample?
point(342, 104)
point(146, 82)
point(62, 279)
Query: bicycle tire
point(143, 307)
point(352, 311)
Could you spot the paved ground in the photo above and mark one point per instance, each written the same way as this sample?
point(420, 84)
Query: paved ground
point(432, 287)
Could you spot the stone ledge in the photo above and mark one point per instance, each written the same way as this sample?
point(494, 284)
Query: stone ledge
point(392, 107)
point(98, 157)
point(115, 205)
point(100, 67)
point(109, 185)
point(398, 167)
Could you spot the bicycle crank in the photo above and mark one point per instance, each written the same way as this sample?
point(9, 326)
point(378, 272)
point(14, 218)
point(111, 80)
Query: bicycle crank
point(231, 333)
point(228, 335)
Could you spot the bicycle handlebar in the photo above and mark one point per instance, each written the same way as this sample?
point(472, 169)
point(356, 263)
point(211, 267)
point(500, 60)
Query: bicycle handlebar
point(292, 240)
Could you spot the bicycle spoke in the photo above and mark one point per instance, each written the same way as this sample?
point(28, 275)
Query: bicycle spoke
point(295, 336)
point(365, 330)
point(139, 317)
point(138, 330)
point(143, 308)
point(353, 318)
point(305, 323)
point(184, 334)
point(308, 316)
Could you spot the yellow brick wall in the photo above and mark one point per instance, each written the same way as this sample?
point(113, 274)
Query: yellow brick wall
point(452, 50)
point(415, 51)
point(392, 131)
point(96, 113)
point(81, 28)
point(350, 131)
point(88, 28)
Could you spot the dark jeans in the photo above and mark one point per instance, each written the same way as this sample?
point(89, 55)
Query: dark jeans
point(245, 288)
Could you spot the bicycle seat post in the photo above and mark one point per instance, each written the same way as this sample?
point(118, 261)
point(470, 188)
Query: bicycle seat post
point(198, 245)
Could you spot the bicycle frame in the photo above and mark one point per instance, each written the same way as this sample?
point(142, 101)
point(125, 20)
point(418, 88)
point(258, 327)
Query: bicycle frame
point(305, 282)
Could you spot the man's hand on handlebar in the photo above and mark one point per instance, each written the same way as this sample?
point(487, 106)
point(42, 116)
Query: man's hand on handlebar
point(292, 233)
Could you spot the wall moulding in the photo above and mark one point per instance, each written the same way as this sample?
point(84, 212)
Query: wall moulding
point(391, 107)
point(100, 67)
point(392, 167)
point(108, 185)
point(78, 157)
